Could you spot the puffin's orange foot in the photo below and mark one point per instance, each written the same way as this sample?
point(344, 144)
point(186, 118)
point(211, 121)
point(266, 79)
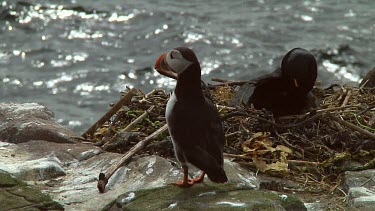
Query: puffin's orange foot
point(184, 184)
point(200, 178)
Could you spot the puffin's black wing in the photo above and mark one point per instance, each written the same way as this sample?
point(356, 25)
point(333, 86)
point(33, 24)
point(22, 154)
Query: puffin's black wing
point(197, 132)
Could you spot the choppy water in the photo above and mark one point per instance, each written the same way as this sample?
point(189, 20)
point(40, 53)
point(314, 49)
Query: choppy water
point(76, 56)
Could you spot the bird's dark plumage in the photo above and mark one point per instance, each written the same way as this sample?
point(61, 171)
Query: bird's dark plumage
point(286, 90)
point(193, 121)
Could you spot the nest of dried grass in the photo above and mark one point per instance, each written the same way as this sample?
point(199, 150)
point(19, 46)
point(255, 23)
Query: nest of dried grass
point(313, 149)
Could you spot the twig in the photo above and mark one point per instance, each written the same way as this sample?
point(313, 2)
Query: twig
point(129, 127)
point(233, 134)
point(351, 126)
point(104, 177)
point(366, 110)
point(346, 100)
point(219, 80)
point(371, 179)
point(153, 92)
point(270, 122)
point(337, 108)
point(286, 142)
point(295, 162)
point(137, 120)
point(225, 107)
point(123, 101)
point(228, 83)
point(324, 110)
point(332, 86)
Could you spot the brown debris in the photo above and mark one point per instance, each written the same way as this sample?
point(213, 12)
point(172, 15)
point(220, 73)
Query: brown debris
point(309, 148)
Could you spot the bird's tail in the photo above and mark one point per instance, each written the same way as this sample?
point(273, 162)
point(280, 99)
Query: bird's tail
point(217, 175)
point(205, 162)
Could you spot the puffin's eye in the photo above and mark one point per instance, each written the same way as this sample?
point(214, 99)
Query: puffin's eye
point(171, 55)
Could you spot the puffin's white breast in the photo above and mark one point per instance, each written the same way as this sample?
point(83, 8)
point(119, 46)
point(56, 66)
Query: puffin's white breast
point(171, 102)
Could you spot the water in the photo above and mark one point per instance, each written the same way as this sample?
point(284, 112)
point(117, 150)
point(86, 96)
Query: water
point(76, 56)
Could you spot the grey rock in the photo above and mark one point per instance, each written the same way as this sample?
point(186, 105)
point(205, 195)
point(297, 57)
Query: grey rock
point(356, 192)
point(37, 170)
point(363, 203)
point(66, 153)
point(365, 178)
point(203, 197)
point(31, 121)
point(361, 189)
point(76, 168)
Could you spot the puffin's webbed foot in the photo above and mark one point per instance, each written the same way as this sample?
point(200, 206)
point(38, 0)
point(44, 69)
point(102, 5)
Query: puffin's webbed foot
point(200, 178)
point(184, 184)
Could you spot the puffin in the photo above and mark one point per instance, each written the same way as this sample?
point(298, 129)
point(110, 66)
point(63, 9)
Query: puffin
point(193, 121)
point(285, 91)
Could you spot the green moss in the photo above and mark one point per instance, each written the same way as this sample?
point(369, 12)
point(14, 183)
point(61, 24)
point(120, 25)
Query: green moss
point(9, 201)
point(15, 194)
point(7, 181)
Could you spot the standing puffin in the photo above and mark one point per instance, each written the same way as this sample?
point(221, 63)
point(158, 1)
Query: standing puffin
point(286, 90)
point(193, 121)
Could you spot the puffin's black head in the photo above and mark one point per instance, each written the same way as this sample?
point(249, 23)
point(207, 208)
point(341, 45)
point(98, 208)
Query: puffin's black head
point(299, 68)
point(176, 60)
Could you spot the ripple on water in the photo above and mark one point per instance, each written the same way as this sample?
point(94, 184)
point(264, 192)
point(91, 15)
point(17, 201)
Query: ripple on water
point(46, 43)
point(341, 72)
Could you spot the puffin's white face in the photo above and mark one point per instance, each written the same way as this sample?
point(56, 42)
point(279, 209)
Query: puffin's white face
point(176, 62)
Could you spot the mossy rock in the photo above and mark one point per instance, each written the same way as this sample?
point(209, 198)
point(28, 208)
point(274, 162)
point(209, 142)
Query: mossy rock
point(205, 197)
point(7, 181)
point(16, 195)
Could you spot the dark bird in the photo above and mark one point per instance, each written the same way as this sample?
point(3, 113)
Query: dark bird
point(287, 90)
point(193, 121)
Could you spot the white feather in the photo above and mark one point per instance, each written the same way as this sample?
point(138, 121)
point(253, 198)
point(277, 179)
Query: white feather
point(171, 102)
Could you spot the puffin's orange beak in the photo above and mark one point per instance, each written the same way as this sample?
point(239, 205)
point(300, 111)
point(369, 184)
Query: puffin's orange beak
point(159, 60)
point(162, 67)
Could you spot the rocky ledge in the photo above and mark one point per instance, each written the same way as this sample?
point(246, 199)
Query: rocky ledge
point(42, 167)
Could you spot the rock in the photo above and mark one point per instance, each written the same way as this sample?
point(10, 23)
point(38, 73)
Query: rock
point(361, 198)
point(369, 80)
point(16, 195)
point(41, 160)
point(361, 189)
point(359, 179)
point(73, 171)
point(203, 197)
point(37, 170)
point(356, 192)
point(30, 121)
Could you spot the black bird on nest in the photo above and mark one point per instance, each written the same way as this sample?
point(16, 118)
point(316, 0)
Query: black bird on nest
point(285, 91)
